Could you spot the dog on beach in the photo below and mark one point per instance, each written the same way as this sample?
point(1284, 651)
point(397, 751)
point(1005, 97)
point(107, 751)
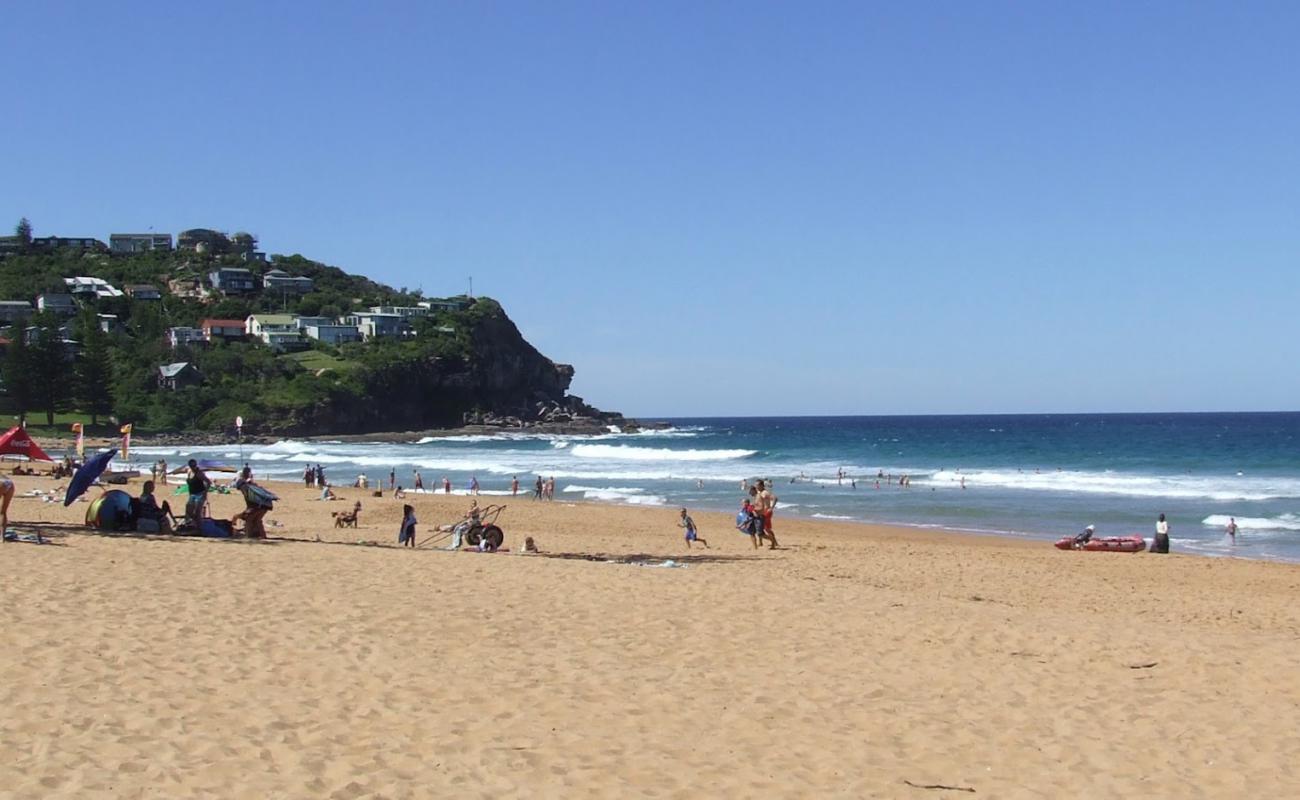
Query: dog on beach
point(346, 519)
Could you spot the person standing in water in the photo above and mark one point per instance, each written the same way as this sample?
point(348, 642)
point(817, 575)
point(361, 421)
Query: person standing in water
point(514, 486)
point(1232, 529)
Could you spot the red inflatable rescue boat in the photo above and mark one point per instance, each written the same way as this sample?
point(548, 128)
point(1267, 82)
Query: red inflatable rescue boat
point(1111, 544)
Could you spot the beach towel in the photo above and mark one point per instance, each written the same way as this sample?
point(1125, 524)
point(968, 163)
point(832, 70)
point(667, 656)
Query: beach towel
point(29, 538)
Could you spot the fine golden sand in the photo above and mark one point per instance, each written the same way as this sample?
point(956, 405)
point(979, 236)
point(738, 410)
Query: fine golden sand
point(856, 662)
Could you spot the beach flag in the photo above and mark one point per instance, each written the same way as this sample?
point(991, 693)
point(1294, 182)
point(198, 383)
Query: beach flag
point(81, 439)
point(126, 440)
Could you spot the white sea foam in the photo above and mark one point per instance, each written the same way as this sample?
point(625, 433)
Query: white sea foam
point(1122, 484)
point(624, 452)
point(831, 516)
point(1285, 522)
point(612, 494)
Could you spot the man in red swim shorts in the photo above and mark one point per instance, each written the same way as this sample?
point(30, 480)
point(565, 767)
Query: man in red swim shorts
point(765, 504)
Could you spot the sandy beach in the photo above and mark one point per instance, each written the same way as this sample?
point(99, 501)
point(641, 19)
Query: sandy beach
point(857, 661)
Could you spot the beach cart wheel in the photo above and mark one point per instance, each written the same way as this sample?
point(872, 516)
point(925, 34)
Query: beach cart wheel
point(472, 536)
point(494, 535)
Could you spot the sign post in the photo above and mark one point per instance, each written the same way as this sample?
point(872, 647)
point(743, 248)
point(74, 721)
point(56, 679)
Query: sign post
point(239, 431)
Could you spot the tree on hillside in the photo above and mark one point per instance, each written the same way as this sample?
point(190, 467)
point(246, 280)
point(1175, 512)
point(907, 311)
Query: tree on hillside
point(94, 371)
point(15, 371)
point(23, 230)
point(51, 370)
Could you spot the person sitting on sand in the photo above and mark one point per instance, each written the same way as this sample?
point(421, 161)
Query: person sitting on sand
point(469, 521)
point(326, 493)
point(399, 493)
point(530, 546)
point(150, 511)
point(692, 533)
point(1083, 538)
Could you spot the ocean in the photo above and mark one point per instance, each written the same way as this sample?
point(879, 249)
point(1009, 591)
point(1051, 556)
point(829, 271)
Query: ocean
point(1035, 476)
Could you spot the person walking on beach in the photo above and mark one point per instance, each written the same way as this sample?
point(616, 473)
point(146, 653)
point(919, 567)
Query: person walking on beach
point(537, 489)
point(308, 476)
point(320, 475)
point(765, 505)
point(1232, 529)
point(550, 488)
point(419, 481)
point(406, 536)
point(514, 486)
point(446, 485)
point(747, 521)
point(692, 533)
point(473, 484)
point(392, 479)
point(1161, 543)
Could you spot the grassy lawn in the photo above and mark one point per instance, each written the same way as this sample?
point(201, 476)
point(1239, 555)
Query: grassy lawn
point(61, 429)
point(317, 360)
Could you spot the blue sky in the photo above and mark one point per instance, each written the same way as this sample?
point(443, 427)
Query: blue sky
point(727, 208)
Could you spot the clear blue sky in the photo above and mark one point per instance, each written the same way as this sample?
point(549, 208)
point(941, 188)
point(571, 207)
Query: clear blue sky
point(727, 208)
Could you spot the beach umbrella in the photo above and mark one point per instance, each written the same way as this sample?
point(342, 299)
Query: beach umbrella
point(86, 475)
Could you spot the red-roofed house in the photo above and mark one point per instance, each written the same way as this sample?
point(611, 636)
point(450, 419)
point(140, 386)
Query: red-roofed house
point(229, 330)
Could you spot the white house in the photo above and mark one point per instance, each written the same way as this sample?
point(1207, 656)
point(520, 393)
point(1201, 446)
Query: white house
point(276, 331)
point(91, 287)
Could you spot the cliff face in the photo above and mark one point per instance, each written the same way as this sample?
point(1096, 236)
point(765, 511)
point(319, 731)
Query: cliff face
point(500, 380)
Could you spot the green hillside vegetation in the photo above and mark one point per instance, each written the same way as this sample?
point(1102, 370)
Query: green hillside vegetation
point(115, 375)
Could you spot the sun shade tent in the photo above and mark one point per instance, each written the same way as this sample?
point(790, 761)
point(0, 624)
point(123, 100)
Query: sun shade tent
point(17, 442)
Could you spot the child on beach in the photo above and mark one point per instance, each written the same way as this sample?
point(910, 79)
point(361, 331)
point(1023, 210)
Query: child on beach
point(406, 536)
point(746, 521)
point(692, 533)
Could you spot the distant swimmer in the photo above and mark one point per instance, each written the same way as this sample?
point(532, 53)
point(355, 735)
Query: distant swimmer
point(1232, 529)
point(963, 481)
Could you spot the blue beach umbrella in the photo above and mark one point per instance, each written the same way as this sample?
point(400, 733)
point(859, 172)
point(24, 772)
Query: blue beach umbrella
point(86, 475)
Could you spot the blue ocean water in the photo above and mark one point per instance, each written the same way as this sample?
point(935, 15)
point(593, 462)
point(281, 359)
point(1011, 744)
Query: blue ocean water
point(1038, 476)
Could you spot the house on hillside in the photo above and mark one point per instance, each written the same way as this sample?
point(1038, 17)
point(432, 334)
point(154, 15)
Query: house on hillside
point(32, 334)
point(109, 323)
point(378, 326)
point(405, 312)
point(128, 243)
point(87, 288)
point(58, 303)
point(277, 331)
point(83, 243)
point(12, 311)
point(203, 240)
point(333, 333)
point(451, 304)
point(277, 280)
point(229, 330)
point(233, 281)
point(143, 291)
point(182, 336)
point(177, 376)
